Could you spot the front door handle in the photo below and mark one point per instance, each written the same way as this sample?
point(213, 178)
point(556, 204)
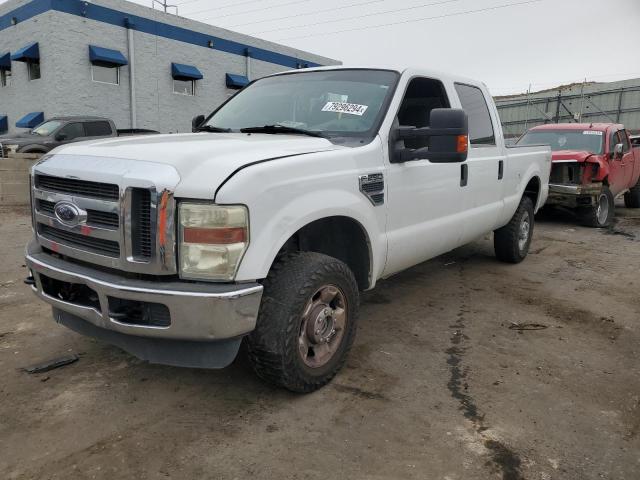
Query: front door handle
point(500, 169)
point(464, 175)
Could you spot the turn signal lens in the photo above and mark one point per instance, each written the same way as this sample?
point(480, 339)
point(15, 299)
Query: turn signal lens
point(213, 239)
point(463, 144)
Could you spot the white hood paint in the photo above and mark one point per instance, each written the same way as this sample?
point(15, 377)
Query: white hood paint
point(202, 160)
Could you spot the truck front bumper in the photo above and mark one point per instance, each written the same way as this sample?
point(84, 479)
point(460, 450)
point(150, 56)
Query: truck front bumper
point(174, 322)
point(574, 196)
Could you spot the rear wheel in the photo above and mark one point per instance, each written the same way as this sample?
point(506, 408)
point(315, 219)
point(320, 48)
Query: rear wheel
point(307, 322)
point(601, 214)
point(511, 242)
point(632, 197)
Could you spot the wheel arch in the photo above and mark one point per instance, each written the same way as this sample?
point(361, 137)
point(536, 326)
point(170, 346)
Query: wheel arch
point(339, 236)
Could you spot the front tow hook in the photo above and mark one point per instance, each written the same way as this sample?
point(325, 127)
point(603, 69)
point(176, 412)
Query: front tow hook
point(29, 281)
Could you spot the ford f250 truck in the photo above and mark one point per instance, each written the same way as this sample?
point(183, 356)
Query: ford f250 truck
point(592, 165)
point(296, 194)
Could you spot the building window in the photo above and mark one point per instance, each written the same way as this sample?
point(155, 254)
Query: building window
point(34, 69)
point(5, 78)
point(184, 87)
point(102, 74)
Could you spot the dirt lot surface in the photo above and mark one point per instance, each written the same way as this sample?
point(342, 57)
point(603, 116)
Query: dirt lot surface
point(464, 368)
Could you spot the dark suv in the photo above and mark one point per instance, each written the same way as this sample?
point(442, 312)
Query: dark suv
point(61, 130)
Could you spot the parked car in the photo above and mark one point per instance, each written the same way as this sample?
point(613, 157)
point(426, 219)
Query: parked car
point(297, 193)
point(61, 131)
point(592, 165)
point(635, 140)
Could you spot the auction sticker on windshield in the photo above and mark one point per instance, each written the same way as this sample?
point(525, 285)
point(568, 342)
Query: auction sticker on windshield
point(591, 132)
point(344, 107)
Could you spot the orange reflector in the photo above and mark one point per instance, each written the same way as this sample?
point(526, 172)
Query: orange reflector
point(214, 236)
point(463, 144)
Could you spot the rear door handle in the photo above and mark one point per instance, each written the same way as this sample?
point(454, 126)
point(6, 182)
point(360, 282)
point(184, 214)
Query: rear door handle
point(500, 169)
point(464, 175)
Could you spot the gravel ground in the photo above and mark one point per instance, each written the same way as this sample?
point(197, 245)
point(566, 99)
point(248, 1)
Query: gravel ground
point(463, 369)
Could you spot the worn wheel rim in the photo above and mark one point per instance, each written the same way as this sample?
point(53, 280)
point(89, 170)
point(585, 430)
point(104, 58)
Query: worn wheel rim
point(602, 213)
point(323, 325)
point(524, 232)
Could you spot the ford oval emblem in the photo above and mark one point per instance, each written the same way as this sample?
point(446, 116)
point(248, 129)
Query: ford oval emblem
point(69, 214)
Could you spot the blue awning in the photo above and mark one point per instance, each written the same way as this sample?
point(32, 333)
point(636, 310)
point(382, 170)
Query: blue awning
point(185, 72)
point(30, 52)
point(4, 123)
point(236, 81)
point(30, 120)
point(5, 61)
point(106, 57)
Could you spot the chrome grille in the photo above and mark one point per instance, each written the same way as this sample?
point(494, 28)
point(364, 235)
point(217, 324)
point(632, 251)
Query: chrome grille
point(105, 191)
point(94, 217)
point(108, 248)
point(117, 224)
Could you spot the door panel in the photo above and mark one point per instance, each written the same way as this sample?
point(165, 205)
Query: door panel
point(424, 207)
point(483, 197)
point(617, 179)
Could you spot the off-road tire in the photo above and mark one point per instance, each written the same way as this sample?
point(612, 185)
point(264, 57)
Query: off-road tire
point(273, 345)
point(589, 216)
point(632, 197)
point(506, 240)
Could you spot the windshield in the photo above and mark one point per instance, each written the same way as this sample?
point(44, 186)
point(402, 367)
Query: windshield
point(47, 128)
point(580, 140)
point(333, 102)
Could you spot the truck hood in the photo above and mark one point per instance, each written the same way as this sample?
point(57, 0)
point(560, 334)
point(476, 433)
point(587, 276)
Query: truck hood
point(202, 161)
point(577, 155)
point(22, 139)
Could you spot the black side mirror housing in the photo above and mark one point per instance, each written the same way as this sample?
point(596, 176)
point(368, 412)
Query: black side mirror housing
point(196, 122)
point(448, 136)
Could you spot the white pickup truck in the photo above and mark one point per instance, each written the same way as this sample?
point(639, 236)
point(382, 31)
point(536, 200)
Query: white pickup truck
point(297, 193)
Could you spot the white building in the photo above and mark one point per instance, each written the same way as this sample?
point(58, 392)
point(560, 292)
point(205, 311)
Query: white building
point(138, 66)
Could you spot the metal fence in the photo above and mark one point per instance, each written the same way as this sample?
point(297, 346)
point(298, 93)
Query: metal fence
point(617, 102)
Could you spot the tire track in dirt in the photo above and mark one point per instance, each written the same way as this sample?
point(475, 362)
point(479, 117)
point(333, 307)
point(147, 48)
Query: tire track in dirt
point(503, 458)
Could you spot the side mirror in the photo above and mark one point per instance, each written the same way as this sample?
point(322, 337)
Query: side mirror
point(618, 150)
point(196, 122)
point(448, 137)
point(61, 137)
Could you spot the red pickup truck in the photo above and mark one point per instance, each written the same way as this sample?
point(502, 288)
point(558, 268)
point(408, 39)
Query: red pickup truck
point(592, 165)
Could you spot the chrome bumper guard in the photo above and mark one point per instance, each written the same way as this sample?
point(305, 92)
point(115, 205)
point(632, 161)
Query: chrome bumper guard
point(198, 312)
point(589, 189)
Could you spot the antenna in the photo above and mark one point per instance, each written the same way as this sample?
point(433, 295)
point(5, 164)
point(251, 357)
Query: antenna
point(164, 5)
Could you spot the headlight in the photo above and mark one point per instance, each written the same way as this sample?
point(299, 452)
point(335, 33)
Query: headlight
point(11, 148)
point(213, 239)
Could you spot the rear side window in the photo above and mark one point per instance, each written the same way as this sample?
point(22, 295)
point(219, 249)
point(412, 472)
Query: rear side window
point(97, 129)
point(625, 141)
point(474, 103)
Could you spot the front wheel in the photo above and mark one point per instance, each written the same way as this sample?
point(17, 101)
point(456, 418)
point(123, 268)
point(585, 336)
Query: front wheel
point(511, 242)
point(307, 322)
point(601, 214)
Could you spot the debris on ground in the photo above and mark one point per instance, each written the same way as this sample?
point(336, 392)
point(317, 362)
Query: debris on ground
point(52, 364)
point(527, 326)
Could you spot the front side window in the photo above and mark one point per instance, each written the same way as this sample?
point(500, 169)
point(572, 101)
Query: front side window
point(480, 125)
point(559, 140)
point(47, 128)
point(102, 74)
point(5, 78)
point(421, 97)
point(328, 103)
point(97, 129)
point(71, 131)
point(34, 69)
point(184, 87)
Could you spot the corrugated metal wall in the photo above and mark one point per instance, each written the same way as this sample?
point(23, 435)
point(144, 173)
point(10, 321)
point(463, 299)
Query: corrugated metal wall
point(617, 102)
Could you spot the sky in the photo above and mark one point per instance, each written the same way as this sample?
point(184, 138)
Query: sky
point(508, 44)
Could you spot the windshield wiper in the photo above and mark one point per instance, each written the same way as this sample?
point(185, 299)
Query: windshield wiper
point(281, 129)
point(211, 128)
